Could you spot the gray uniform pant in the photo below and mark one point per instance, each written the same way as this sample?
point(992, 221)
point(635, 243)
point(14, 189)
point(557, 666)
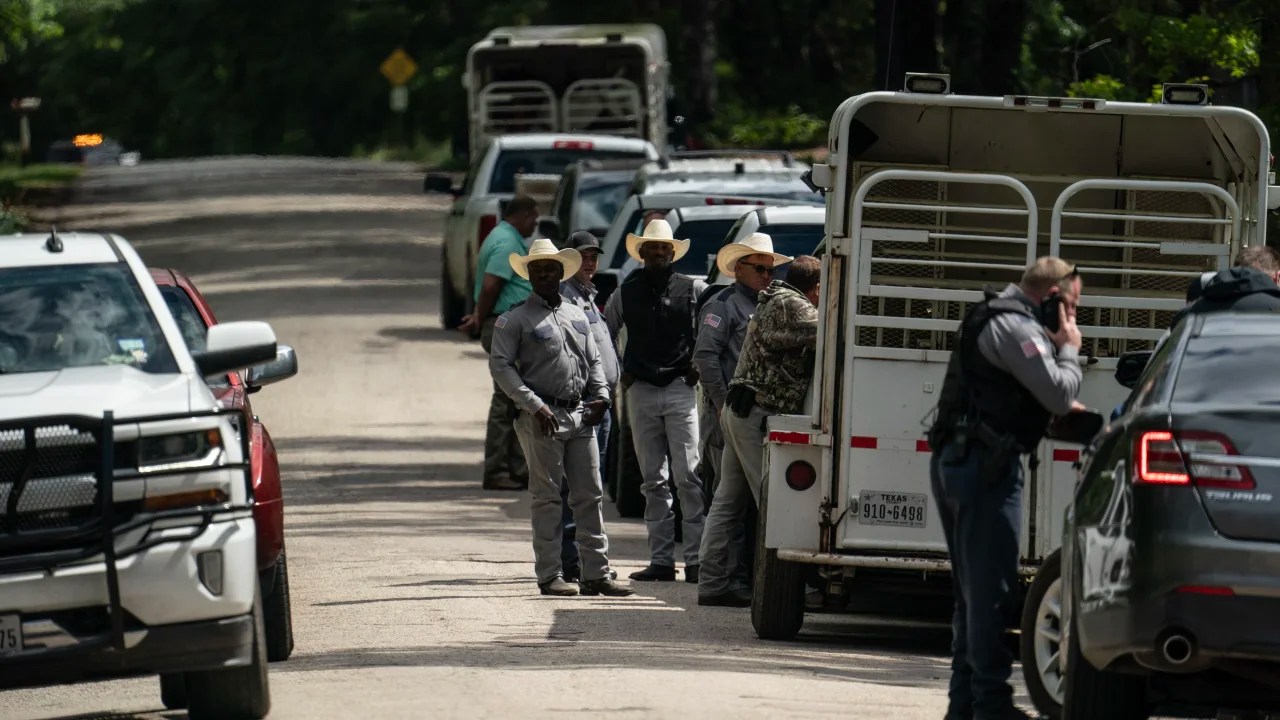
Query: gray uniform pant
point(502, 455)
point(570, 454)
point(724, 540)
point(665, 419)
point(712, 441)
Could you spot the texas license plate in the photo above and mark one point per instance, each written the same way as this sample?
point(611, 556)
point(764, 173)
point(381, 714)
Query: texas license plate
point(10, 634)
point(891, 508)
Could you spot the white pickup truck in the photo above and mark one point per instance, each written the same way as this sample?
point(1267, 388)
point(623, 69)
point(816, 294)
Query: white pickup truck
point(127, 540)
point(490, 183)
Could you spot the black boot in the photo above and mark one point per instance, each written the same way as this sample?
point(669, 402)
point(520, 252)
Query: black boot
point(664, 573)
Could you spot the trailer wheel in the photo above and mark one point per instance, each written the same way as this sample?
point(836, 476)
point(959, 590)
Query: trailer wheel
point(173, 691)
point(777, 594)
point(1040, 644)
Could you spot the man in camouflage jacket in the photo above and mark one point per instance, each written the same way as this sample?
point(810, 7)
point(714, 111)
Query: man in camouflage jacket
point(772, 377)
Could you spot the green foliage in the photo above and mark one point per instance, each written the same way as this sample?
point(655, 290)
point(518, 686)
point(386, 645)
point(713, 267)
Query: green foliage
point(787, 130)
point(1099, 86)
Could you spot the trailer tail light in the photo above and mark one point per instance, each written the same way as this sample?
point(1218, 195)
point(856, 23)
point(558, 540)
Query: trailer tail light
point(487, 224)
point(801, 476)
point(573, 145)
point(1054, 103)
point(1199, 457)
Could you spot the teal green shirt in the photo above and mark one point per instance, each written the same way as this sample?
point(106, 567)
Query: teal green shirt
point(495, 260)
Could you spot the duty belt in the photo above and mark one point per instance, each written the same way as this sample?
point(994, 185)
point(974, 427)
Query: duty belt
point(558, 403)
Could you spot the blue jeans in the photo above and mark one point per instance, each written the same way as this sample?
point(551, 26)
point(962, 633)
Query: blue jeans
point(981, 519)
point(568, 538)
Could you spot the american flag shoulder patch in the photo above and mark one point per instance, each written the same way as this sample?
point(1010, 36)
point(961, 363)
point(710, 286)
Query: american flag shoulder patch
point(711, 319)
point(1032, 348)
point(501, 322)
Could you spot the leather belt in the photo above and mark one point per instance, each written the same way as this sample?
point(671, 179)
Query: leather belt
point(558, 403)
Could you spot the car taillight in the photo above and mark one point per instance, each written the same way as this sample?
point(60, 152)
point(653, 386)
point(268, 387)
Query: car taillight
point(1192, 456)
point(572, 144)
point(801, 476)
point(487, 224)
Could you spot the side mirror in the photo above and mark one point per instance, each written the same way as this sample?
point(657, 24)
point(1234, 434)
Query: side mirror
point(437, 183)
point(235, 346)
point(549, 227)
point(283, 367)
point(1129, 367)
point(1077, 427)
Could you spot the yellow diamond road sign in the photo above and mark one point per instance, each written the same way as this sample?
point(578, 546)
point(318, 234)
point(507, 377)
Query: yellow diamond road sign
point(399, 67)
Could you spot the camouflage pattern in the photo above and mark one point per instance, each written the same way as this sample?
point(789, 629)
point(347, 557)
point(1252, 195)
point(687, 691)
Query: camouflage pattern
point(778, 353)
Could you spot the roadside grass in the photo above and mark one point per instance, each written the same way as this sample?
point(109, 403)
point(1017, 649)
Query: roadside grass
point(22, 185)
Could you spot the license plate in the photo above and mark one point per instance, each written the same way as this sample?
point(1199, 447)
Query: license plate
point(890, 508)
point(10, 634)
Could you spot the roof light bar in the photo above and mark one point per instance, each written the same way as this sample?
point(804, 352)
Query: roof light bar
point(1054, 103)
point(927, 83)
point(1184, 94)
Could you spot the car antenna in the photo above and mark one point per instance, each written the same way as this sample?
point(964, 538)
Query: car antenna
point(54, 243)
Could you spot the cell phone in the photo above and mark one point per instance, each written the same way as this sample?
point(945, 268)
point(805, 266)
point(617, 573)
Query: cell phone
point(1049, 309)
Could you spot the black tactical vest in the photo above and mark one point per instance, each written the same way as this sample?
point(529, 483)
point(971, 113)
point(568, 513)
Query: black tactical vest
point(975, 390)
point(660, 329)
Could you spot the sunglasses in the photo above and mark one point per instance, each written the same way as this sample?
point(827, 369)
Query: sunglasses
point(1075, 273)
point(760, 269)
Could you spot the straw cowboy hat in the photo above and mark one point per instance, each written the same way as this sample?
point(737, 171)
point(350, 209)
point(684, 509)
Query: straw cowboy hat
point(753, 244)
point(544, 249)
point(657, 230)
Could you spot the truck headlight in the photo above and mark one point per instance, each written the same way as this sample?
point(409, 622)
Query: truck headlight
point(191, 449)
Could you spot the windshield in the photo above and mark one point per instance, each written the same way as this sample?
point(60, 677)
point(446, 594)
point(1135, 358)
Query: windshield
point(784, 188)
point(544, 162)
point(53, 318)
point(1229, 370)
point(790, 240)
point(705, 238)
point(599, 199)
point(194, 332)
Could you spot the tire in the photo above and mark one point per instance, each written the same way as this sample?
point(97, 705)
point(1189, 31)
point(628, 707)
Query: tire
point(173, 691)
point(240, 693)
point(777, 593)
point(1092, 694)
point(1040, 639)
point(628, 498)
point(277, 613)
point(452, 305)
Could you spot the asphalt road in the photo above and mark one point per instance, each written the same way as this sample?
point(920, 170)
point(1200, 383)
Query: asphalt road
point(413, 593)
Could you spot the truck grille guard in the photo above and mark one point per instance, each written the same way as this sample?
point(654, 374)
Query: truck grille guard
point(20, 551)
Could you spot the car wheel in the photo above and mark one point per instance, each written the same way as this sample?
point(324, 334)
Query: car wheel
point(1041, 639)
point(173, 691)
point(278, 614)
point(1093, 694)
point(777, 593)
point(239, 693)
point(452, 305)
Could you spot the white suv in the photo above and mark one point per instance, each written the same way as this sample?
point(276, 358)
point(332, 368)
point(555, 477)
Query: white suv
point(127, 539)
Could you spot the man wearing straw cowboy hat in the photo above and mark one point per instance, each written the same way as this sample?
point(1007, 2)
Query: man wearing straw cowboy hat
point(722, 324)
point(545, 359)
point(656, 305)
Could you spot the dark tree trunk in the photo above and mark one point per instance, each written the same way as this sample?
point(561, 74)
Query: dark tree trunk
point(984, 44)
point(699, 44)
point(906, 40)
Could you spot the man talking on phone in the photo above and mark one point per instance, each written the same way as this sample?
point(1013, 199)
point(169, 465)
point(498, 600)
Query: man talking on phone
point(1014, 366)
